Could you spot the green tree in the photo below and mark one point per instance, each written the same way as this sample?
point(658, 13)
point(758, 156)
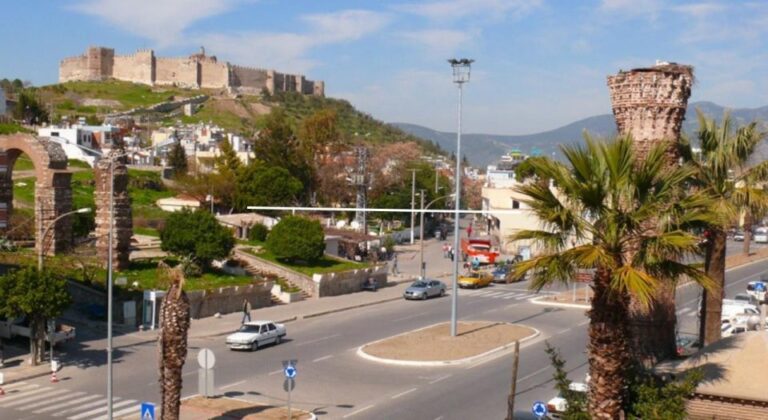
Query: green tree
point(38, 296)
point(258, 232)
point(297, 239)
point(227, 160)
point(177, 159)
point(197, 235)
point(651, 398)
point(261, 185)
point(723, 173)
point(599, 220)
point(577, 401)
point(29, 109)
point(276, 145)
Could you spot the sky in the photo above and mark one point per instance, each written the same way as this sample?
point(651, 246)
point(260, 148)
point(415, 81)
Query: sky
point(539, 64)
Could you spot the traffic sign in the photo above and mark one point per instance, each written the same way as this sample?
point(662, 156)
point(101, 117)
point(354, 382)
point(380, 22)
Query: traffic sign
point(289, 384)
point(147, 411)
point(290, 371)
point(539, 409)
point(760, 286)
point(206, 359)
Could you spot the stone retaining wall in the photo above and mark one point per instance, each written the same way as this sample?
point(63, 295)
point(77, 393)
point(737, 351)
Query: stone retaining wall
point(225, 300)
point(343, 282)
point(304, 282)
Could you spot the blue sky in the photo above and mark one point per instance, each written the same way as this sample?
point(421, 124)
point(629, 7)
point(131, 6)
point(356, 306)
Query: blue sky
point(539, 64)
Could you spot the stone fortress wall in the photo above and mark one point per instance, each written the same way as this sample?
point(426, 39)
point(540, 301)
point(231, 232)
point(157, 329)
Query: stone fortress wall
point(196, 71)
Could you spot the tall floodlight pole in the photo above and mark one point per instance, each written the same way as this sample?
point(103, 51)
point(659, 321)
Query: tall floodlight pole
point(413, 201)
point(461, 68)
point(421, 239)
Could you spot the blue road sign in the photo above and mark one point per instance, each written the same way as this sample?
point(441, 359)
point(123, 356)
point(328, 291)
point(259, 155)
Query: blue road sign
point(147, 411)
point(539, 409)
point(290, 371)
point(760, 286)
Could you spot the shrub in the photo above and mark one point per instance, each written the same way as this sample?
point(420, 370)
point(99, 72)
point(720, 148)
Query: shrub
point(258, 232)
point(297, 238)
point(196, 235)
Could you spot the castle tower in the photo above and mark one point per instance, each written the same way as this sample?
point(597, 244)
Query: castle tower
point(122, 224)
point(99, 62)
point(650, 103)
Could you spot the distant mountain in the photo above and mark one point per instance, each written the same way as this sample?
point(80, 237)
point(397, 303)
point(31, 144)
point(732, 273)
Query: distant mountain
point(485, 149)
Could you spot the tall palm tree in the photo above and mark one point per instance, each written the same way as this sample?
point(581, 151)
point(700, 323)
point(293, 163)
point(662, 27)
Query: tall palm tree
point(174, 325)
point(722, 172)
point(603, 201)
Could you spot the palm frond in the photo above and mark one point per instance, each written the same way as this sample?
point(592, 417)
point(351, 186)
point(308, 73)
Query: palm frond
point(635, 282)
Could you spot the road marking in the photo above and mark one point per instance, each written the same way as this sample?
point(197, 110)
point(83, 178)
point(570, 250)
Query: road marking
point(233, 384)
point(510, 296)
point(533, 374)
point(320, 359)
point(526, 296)
point(90, 414)
point(439, 379)
point(358, 411)
point(583, 323)
point(409, 317)
point(684, 311)
point(439, 418)
point(494, 294)
point(563, 331)
point(102, 401)
point(67, 403)
point(404, 393)
point(117, 414)
point(317, 340)
point(38, 404)
point(275, 372)
point(14, 389)
point(26, 397)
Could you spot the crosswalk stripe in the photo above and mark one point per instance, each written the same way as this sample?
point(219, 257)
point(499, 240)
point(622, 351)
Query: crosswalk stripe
point(18, 387)
point(482, 292)
point(13, 385)
point(510, 295)
point(67, 403)
point(49, 401)
point(526, 296)
point(117, 414)
point(33, 397)
point(494, 294)
point(684, 311)
point(99, 410)
point(102, 401)
point(20, 394)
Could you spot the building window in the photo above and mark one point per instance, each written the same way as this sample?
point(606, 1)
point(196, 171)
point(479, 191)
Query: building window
point(515, 204)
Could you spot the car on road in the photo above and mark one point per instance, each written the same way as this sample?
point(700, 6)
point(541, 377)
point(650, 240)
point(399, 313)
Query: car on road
point(746, 298)
point(255, 334)
point(424, 289)
point(757, 288)
point(761, 235)
point(500, 273)
point(738, 236)
point(686, 345)
point(475, 279)
point(559, 404)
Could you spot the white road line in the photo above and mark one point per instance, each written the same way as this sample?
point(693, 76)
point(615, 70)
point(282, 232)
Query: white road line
point(563, 331)
point(67, 403)
point(526, 296)
point(409, 317)
point(136, 409)
point(511, 295)
point(684, 311)
point(27, 396)
point(531, 375)
point(13, 390)
point(48, 401)
point(434, 381)
point(14, 385)
point(494, 294)
point(233, 384)
point(305, 343)
point(358, 411)
point(275, 372)
point(583, 323)
point(102, 401)
point(320, 359)
point(90, 414)
point(403, 393)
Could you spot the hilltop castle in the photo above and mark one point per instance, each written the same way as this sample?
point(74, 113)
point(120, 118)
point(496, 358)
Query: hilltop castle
point(196, 71)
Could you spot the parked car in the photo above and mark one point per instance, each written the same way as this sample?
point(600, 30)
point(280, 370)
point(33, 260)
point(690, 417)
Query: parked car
point(746, 298)
point(686, 345)
point(500, 273)
point(255, 334)
point(757, 289)
point(13, 327)
point(761, 235)
point(475, 279)
point(424, 289)
point(738, 236)
point(558, 405)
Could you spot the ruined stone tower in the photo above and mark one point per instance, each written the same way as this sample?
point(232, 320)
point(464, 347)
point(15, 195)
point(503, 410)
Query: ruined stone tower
point(122, 223)
point(650, 103)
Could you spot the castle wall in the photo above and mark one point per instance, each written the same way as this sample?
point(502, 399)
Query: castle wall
point(249, 79)
point(181, 72)
point(73, 68)
point(213, 74)
point(137, 68)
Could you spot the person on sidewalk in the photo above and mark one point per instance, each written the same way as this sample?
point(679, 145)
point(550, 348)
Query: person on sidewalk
point(246, 311)
point(445, 249)
point(395, 271)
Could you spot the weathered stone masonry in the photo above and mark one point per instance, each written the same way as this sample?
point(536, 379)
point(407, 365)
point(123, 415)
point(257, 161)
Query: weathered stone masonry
point(196, 71)
point(122, 223)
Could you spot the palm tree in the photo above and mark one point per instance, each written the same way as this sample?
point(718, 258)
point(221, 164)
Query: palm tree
point(174, 325)
point(722, 172)
point(603, 202)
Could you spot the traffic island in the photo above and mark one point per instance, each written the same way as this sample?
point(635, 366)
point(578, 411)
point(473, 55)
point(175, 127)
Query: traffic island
point(434, 346)
point(230, 408)
point(580, 299)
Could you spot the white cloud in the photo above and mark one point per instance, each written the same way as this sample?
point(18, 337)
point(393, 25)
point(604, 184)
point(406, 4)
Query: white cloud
point(287, 51)
point(439, 41)
point(457, 9)
point(162, 21)
point(699, 10)
point(632, 8)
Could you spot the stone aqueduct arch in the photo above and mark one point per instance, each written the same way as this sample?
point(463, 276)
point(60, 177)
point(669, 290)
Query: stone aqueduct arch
point(53, 197)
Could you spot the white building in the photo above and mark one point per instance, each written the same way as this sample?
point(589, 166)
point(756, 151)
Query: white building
point(81, 142)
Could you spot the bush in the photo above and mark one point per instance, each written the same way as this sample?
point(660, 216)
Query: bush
point(196, 235)
point(297, 238)
point(258, 232)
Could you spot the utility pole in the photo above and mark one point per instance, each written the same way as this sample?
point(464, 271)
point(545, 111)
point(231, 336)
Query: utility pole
point(513, 391)
point(422, 270)
point(413, 201)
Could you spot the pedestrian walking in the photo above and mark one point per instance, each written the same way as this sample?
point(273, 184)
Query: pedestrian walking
point(246, 311)
point(445, 249)
point(395, 271)
point(451, 252)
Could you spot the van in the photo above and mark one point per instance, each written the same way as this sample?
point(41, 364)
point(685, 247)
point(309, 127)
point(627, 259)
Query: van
point(733, 309)
point(761, 235)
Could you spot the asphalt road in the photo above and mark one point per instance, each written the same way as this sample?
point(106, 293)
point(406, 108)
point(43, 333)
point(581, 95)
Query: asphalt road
point(332, 380)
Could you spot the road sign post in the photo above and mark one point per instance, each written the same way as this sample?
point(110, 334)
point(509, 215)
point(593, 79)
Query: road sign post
point(539, 409)
point(147, 411)
point(289, 370)
point(206, 360)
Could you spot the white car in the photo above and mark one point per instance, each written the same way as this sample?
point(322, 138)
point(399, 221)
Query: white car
point(757, 289)
point(557, 405)
point(761, 235)
point(255, 334)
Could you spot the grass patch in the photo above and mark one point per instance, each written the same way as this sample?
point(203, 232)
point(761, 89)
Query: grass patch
point(286, 287)
point(146, 231)
point(326, 264)
point(144, 272)
point(75, 163)
point(130, 95)
point(11, 128)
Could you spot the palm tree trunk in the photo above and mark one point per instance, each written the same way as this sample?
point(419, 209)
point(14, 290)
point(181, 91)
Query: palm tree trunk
point(608, 347)
point(712, 301)
point(174, 325)
point(747, 232)
point(652, 330)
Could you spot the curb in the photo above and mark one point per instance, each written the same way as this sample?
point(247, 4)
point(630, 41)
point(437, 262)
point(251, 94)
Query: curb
point(360, 352)
point(24, 378)
point(538, 301)
point(312, 416)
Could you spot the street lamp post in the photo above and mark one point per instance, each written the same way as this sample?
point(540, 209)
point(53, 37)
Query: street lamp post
point(41, 253)
point(413, 200)
point(421, 259)
point(461, 68)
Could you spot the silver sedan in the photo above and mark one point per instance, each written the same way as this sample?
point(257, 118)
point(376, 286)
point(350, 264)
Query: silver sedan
point(424, 289)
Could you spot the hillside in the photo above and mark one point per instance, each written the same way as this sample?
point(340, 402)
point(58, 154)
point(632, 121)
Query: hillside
point(240, 114)
point(485, 149)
